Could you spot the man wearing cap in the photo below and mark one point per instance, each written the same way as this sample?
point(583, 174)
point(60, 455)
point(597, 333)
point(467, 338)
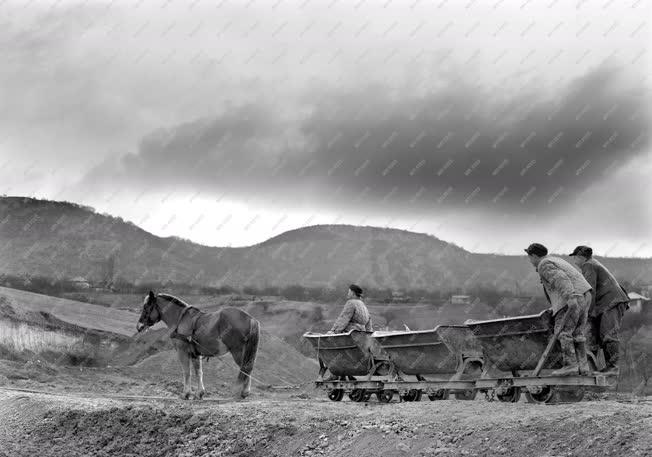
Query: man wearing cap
point(570, 295)
point(607, 307)
point(355, 315)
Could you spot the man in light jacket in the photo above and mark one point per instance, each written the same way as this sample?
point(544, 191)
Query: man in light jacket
point(607, 308)
point(570, 295)
point(355, 315)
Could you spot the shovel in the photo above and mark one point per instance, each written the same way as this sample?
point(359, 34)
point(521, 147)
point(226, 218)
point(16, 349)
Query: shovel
point(551, 343)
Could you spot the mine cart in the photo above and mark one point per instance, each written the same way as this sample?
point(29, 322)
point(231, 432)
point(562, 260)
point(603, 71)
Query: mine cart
point(358, 363)
point(519, 355)
point(443, 360)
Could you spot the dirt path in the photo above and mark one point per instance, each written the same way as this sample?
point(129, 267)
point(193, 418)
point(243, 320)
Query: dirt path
point(72, 425)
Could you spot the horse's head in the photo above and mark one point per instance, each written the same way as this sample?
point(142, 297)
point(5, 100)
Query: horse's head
point(150, 314)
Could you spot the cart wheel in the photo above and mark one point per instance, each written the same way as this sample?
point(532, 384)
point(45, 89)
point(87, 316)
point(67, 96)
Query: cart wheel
point(357, 395)
point(336, 394)
point(466, 394)
point(439, 395)
point(544, 394)
point(367, 396)
point(569, 395)
point(385, 396)
point(412, 395)
point(513, 395)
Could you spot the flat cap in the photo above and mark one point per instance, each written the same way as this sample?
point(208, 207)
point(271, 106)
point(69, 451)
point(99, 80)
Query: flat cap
point(584, 251)
point(356, 289)
point(537, 249)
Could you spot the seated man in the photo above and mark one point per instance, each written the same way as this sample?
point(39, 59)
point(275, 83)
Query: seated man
point(355, 315)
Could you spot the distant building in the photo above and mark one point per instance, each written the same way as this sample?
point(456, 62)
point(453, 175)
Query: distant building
point(399, 297)
point(646, 291)
point(80, 282)
point(636, 303)
point(461, 300)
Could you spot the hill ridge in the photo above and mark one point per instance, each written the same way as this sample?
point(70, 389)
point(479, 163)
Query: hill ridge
point(65, 240)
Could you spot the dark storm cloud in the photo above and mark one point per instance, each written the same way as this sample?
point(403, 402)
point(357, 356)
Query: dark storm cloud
point(518, 153)
point(392, 149)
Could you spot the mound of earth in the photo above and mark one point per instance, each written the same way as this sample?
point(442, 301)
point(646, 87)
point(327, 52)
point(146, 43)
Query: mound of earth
point(142, 345)
point(277, 363)
point(47, 426)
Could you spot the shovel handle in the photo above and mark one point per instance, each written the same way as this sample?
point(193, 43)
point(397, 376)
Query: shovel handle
point(551, 343)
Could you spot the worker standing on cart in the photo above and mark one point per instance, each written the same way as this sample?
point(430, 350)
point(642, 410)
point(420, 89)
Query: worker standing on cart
point(570, 296)
point(607, 307)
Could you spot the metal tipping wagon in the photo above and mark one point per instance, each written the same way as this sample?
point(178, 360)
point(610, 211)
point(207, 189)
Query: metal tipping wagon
point(516, 359)
point(444, 359)
point(357, 361)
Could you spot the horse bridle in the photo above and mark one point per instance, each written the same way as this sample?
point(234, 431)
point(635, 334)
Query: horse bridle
point(150, 306)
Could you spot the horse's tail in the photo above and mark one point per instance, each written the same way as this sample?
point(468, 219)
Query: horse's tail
point(249, 352)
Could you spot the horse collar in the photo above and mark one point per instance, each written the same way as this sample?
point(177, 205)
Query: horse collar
point(183, 313)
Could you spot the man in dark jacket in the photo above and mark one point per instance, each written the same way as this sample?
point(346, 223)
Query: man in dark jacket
point(607, 307)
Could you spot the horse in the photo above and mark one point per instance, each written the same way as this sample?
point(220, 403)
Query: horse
point(197, 334)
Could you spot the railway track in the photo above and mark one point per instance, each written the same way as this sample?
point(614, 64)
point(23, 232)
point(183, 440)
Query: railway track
point(87, 395)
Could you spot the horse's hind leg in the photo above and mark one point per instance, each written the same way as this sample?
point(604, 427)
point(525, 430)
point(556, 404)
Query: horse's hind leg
point(243, 383)
point(184, 358)
point(247, 357)
point(199, 376)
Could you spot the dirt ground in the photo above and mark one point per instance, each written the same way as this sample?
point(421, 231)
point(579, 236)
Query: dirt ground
point(73, 424)
point(49, 407)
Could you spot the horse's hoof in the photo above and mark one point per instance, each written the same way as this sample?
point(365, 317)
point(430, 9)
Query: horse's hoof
point(185, 396)
point(199, 395)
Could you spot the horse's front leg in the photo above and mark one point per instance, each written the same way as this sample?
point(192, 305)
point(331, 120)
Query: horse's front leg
point(199, 376)
point(184, 358)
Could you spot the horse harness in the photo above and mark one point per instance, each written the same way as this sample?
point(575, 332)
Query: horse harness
point(194, 346)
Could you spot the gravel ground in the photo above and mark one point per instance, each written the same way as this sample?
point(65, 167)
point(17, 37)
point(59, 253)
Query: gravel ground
point(77, 425)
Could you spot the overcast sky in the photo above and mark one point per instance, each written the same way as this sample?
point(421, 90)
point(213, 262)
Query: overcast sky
point(487, 124)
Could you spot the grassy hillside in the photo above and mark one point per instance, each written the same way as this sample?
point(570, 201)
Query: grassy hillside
point(515, 272)
point(337, 255)
point(63, 240)
point(78, 313)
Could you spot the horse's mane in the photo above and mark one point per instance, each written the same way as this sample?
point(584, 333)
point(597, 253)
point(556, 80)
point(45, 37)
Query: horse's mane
point(175, 300)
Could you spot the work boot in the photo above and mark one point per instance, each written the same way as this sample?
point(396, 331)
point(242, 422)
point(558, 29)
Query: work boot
point(583, 361)
point(571, 367)
point(611, 353)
